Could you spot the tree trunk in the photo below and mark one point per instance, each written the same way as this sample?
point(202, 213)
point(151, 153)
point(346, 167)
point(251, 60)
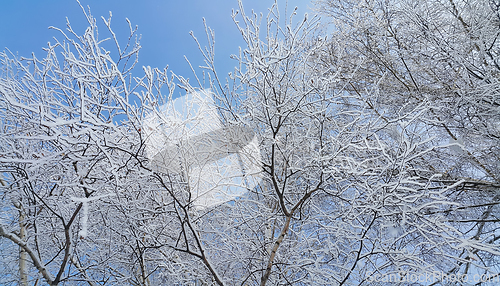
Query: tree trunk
point(23, 255)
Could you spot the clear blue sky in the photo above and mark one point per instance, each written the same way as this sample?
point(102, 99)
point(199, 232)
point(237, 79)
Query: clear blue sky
point(164, 26)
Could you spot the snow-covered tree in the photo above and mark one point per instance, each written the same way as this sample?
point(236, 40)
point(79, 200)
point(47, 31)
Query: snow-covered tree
point(377, 140)
point(442, 54)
